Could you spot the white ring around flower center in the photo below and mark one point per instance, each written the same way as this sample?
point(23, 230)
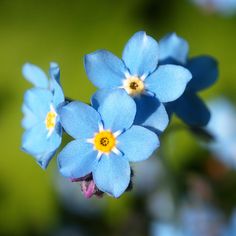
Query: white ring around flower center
point(134, 85)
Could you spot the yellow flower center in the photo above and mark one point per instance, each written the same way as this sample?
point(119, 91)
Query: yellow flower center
point(134, 85)
point(50, 120)
point(104, 141)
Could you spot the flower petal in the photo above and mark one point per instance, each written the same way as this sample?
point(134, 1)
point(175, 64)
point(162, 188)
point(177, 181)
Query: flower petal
point(79, 120)
point(138, 143)
point(35, 75)
point(174, 48)
point(36, 141)
point(192, 110)
point(77, 159)
point(58, 95)
point(205, 72)
point(99, 97)
point(117, 110)
point(151, 114)
point(112, 174)
point(29, 119)
point(141, 54)
point(104, 69)
point(38, 101)
point(168, 82)
point(54, 71)
point(44, 159)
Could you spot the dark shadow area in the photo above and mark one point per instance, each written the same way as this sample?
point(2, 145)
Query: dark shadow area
point(154, 12)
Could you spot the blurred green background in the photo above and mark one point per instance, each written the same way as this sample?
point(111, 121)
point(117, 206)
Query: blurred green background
point(40, 31)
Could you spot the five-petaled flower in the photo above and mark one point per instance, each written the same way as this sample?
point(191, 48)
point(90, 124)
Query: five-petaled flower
point(140, 76)
point(41, 113)
point(105, 141)
point(189, 107)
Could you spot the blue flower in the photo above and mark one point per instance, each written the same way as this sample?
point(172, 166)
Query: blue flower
point(222, 126)
point(105, 141)
point(41, 113)
point(189, 107)
point(140, 76)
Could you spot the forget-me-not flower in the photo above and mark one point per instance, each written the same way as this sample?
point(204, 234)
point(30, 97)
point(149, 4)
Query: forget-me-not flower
point(41, 108)
point(140, 76)
point(189, 107)
point(105, 142)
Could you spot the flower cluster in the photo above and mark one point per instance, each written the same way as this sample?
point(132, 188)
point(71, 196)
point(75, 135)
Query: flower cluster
point(135, 99)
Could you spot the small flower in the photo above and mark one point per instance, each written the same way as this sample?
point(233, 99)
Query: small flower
point(138, 74)
point(189, 107)
point(105, 142)
point(41, 113)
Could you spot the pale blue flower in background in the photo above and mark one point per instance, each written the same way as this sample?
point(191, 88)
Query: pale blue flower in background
point(225, 7)
point(201, 219)
point(165, 229)
point(222, 126)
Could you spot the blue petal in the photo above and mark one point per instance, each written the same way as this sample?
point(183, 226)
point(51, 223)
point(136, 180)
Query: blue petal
point(58, 95)
point(99, 96)
point(141, 54)
point(173, 47)
point(44, 159)
point(138, 143)
point(192, 110)
point(112, 174)
point(168, 82)
point(54, 71)
point(36, 141)
point(35, 75)
point(205, 72)
point(151, 114)
point(38, 101)
point(77, 159)
point(80, 120)
point(29, 119)
point(117, 110)
point(104, 69)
